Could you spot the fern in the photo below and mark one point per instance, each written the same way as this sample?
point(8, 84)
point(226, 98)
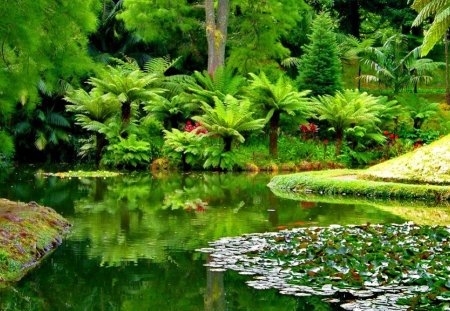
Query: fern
point(229, 119)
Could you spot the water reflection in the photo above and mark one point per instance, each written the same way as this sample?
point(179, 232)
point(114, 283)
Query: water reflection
point(134, 237)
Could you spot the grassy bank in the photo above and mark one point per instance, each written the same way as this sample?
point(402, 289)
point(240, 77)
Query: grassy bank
point(27, 233)
point(346, 183)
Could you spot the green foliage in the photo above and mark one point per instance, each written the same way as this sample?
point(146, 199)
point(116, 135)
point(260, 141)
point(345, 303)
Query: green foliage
point(395, 67)
point(128, 153)
point(320, 67)
point(229, 119)
point(42, 42)
point(170, 111)
point(440, 12)
point(259, 32)
point(129, 86)
point(6, 148)
point(280, 96)
point(352, 114)
point(45, 126)
point(225, 82)
point(419, 109)
point(91, 109)
point(174, 26)
point(185, 146)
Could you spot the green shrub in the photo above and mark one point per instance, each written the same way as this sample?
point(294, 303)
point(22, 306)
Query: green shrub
point(129, 152)
point(6, 148)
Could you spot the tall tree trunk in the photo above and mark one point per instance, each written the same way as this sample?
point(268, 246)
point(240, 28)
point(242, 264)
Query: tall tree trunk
point(216, 33)
point(228, 143)
point(339, 139)
point(100, 143)
point(359, 75)
point(447, 82)
point(355, 18)
point(126, 117)
point(273, 134)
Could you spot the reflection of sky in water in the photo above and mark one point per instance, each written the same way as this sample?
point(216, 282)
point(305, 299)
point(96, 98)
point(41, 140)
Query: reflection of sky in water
point(133, 241)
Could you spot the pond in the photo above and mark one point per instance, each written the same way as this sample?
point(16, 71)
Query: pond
point(133, 241)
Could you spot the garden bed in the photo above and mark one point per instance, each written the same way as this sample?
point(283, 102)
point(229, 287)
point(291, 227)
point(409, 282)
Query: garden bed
point(28, 232)
point(344, 183)
point(368, 267)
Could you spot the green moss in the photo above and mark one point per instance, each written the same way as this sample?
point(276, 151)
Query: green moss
point(81, 174)
point(346, 183)
point(428, 164)
point(27, 233)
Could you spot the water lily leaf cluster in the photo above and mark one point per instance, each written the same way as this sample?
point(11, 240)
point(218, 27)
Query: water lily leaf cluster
point(392, 264)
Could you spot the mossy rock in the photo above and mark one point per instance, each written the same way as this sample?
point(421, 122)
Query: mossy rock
point(427, 165)
point(347, 183)
point(28, 232)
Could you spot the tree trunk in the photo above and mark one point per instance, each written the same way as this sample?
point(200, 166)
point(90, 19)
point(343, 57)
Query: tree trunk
point(273, 134)
point(355, 18)
point(228, 143)
point(359, 75)
point(216, 33)
point(447, 82)
point(100, 143)
point(339, 139)
point(126, 117)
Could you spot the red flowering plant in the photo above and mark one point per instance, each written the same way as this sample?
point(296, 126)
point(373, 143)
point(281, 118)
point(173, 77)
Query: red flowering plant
point(195, 128)
point(308, 131)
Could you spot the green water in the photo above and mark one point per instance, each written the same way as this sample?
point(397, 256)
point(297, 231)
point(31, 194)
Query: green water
point(133, 241)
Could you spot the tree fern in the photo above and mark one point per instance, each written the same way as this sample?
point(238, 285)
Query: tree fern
point(229, 119)
point(351, 112)
point(225, 82)
point(277, 98)
point(439, 10)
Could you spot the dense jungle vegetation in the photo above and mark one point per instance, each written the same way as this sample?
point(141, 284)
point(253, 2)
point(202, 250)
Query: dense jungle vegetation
point(221, 85)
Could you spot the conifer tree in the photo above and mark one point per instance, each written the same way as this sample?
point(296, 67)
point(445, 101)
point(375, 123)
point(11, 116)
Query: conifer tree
point(320, 66)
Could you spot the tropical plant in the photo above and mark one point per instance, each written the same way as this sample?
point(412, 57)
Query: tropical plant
point(174, 84)
point(46, 126)
point(351, 49)
point(129, 152)
point(228, 119)
point(351, 113)
point(418, 108)
point(129, 86)
point(396, 68)
point(187, 145)
point(224, 82)
point(439, 10)
point(6, 148)
point(275, 99)
point(92, 111)
point(171, 111)
point(320, 67)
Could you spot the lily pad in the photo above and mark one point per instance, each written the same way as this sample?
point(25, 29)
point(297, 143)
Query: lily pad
point(381, 267)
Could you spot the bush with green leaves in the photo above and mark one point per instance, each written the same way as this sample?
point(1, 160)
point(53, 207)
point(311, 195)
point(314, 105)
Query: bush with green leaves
point(354, 116)
point(6, 148)
point(129, 152)
point(186, 147)
point(418, 108)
